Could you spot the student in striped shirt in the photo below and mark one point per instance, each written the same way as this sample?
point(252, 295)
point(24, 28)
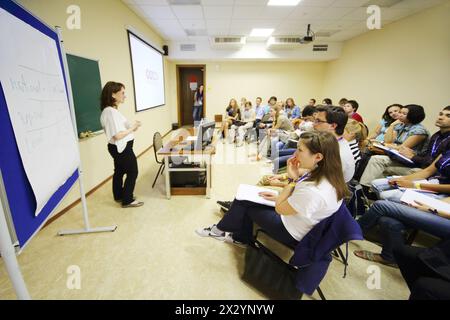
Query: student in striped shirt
point(355, 133)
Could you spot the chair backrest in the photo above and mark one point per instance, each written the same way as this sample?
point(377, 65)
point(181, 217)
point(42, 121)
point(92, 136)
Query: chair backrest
point(157, 144)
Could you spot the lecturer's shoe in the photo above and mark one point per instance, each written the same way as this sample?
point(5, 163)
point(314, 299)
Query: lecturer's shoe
point(133, 204)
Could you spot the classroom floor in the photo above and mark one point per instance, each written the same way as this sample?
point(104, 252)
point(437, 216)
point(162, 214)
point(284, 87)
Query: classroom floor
point(155, 254)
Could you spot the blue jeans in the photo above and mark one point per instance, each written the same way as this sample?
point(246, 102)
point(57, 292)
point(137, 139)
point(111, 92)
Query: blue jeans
point(241, 216)
point(197, 113)
point(385, 191)
point(394, 218)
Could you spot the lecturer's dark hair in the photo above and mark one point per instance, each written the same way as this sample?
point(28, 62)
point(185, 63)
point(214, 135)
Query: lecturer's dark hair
point(106, 99)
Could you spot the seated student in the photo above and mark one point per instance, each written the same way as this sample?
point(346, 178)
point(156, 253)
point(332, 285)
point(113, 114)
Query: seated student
point(332, 120)
point(315, 192)
point(409, 133)
point(394, 219)
point(312, 102)
point(437, 174)
point(342, 102)
point(350, 107)
point(292, 111)
point(327, 102)
point(439, 142)
point(246, 123)
point(243, 102)
point(281, 127)
point(305, 123)
point(267, 124)
point(260, 111)
point(426, 270)
point(389, 116)
point(355, 133)
point(232, 114)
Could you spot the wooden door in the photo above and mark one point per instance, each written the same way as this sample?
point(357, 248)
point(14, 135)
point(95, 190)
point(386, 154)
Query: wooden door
point(189, 77)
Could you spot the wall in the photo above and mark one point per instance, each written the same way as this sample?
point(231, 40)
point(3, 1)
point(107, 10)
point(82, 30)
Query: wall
point(226, 80)
point(103, 36)
point(407, 61)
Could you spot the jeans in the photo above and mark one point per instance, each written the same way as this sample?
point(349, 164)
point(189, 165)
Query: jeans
point(125, 163)
point(197, 113)
point(394, 218)
point(241, 216)
point(385, 191)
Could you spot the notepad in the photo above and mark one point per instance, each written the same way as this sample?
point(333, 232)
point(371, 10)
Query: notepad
point(250, 193)
point(410, 196)
point(394, 153)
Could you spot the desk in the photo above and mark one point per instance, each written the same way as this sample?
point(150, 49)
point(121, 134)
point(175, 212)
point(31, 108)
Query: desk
point(176, 148)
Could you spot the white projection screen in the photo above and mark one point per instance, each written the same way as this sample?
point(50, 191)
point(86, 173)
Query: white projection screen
point(148, 74)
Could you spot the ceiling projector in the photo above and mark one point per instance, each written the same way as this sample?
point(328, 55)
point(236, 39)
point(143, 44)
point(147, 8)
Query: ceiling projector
point(309, 36)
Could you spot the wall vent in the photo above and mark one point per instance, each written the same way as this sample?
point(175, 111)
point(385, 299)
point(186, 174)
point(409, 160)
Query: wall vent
point(320, 47)
point(187, 47)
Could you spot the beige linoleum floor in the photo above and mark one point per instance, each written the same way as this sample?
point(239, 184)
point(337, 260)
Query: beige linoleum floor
point(155, 254)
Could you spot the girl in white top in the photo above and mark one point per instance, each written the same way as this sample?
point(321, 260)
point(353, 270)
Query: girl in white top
point(119, 133)
point(315, 192)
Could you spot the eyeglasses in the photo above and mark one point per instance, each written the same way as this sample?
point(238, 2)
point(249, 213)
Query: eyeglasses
point(320, 121)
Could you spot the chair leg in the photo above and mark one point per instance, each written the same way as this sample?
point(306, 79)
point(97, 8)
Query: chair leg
point(163, 166)
point(157, 175)
point(319, 291)
point(341, 254)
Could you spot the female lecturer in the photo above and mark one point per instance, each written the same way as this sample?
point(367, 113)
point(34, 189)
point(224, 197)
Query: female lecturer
point(119, 132)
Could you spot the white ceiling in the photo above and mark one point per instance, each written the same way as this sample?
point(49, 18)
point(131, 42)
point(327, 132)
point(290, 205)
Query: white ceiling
point(347, 18)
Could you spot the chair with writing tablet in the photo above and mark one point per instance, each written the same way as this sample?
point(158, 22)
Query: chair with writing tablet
point(157, 145)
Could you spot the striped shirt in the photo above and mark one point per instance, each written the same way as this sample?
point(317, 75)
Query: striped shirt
point(354, 147)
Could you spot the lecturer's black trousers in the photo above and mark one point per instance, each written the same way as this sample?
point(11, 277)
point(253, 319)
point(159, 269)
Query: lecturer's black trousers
point(125, 163)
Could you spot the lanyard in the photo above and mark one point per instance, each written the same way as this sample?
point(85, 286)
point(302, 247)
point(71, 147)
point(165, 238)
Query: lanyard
point(444, 164)
point(435, 148)
point(340, 139)
point(303, 177)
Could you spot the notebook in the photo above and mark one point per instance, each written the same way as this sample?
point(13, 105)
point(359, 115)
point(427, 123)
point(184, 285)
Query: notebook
point(250, 193)
point(410, 196)
point(394, 154)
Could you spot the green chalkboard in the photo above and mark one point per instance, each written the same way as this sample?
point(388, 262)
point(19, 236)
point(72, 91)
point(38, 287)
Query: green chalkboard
point(86, 90)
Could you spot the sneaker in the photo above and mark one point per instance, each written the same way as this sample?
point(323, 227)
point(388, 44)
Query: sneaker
point(225, 205)
point(229, 239)
point(209, 232)
point(133, 204)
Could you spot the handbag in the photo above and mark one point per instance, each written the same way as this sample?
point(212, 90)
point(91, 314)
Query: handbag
point(269, 274)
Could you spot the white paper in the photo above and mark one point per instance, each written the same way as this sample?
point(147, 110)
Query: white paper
point(191, 138)
point(389, 150)
point(250, 193)
point(410, 196)
point(33, 84)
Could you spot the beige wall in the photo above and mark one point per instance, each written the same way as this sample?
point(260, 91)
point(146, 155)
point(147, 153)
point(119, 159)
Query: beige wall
point(225, 80)
point(103, 36)
point(405, 62)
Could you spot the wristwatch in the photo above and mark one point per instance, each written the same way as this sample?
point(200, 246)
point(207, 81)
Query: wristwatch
point(433, 211)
